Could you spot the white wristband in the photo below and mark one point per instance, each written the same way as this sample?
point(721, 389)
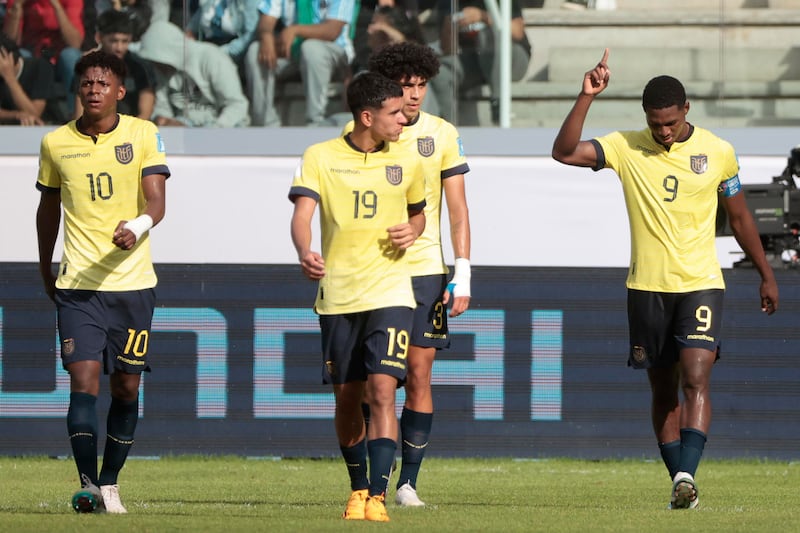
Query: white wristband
point(139, 225)
point(459, 284)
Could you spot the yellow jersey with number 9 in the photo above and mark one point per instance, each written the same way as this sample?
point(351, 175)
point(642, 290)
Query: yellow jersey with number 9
point(671, 198)
point(100, 180)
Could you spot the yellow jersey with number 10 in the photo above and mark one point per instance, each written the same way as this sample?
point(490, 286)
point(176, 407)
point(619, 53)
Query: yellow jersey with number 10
point(100, 180)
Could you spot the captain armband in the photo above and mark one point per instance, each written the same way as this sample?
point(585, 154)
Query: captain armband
point(730, 187)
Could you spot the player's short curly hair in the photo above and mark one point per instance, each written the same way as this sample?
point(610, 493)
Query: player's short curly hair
point(104, 61)
point(405, 60)
point(369, 90)
point(662, 92)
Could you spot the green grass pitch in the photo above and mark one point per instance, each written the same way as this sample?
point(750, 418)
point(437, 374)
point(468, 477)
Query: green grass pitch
point(230, 494)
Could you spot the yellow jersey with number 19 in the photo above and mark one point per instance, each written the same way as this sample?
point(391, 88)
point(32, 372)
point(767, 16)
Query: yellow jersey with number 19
point(438, 145)
point(671, 198)
point(360, 195)
point(100, 180)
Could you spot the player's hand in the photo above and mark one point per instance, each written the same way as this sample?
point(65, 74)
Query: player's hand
point(402, 236)
point(123, 238)
point(769, 296)
point(313, 265)
point(596, 80)
point(460, 303)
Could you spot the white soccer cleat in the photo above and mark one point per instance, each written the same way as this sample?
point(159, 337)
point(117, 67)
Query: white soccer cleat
point(111, 499)
point(406, 496)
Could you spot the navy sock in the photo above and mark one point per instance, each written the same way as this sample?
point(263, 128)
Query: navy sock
point(415, 429)
point(355, 457)
point(671, 455)
point(692, 443)
point(120, 427)
point(381, 457)
point(82, 429)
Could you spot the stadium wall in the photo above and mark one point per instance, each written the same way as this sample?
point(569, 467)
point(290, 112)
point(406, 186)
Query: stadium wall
point(537, 366)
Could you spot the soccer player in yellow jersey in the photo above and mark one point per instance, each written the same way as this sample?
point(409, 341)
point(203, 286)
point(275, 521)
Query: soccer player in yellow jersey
point(371, 197)
point(107, 171)
point(436, 143)
point(673, 174)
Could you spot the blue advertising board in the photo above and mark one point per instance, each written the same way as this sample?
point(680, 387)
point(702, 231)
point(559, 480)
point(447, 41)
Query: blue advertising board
point(537, 368)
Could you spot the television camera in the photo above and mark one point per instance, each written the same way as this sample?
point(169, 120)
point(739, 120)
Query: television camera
point(776, 211)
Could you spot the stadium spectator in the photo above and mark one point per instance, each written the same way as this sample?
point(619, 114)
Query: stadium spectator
point(103, 290)
point(53, 30)
point(196, 83)
point(436, 143)
point(306, 37)
point(468, 54)
point(139, 12)
point(26, 86)
point(365, 298)
point(231, 24)
point(673, 174)
point(380, 25)
point(114, 36)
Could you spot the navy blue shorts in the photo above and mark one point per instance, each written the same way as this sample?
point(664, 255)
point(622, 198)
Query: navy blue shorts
point(355, 345)
point(111, 327)
point(430, 316)
point(661, 324)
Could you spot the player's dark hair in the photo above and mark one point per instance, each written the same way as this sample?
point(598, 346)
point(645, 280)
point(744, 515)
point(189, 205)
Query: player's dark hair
point(404, 60)
point(113, 21)
point(369, 90)
point(662, 92)
point(10, 46)
point(104, 61)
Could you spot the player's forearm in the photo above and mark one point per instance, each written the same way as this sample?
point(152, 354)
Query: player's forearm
point(571, 130)
point(417, 223)
point(301, 237)
point(48, 220)
point(746, 234)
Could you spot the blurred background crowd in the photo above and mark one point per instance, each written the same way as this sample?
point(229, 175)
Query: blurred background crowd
point(236, 63)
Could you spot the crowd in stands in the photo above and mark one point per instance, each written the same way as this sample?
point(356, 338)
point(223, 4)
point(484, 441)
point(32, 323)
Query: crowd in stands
point(226, 63)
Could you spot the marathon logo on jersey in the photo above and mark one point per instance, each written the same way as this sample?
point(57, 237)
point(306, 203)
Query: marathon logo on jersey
point(160, 146)
point(699, 163)
point(394, 174)
point(425, 146)
point(124, 153)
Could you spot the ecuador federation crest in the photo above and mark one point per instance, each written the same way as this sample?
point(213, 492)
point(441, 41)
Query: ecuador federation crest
point(124, 153)
point(394, 174)
point(699, 163)
point(425, 146)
